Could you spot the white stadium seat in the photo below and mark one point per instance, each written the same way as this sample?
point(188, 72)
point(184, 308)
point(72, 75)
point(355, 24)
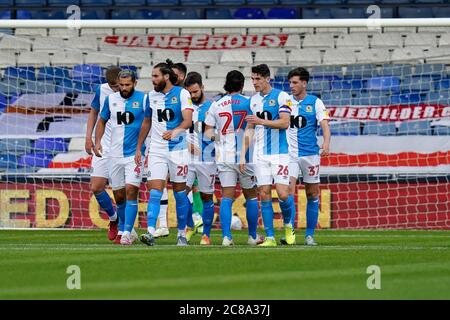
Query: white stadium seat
point(249, 89)
point(293, 41)
point(264, 30)
point(339, 56)
point(332, 30)
point(174, 31)
point(440, 30)
point(96, 31)
point(386, 40)
point(145, 72)
point(237, 57)
point(271, 57)
point(358, 40)
point(41, 32)
point(242, 31)
point(444, 41)
point(33, 58)
point(162, 55)
point(66, 58)
point(200, 68)
point(438, 55)
point(400, 30)
point(372, 55)
point(101, 59)
point(76, 144)
point(7, 59)
point(130, 31)
point(188, 31)
point(297, 31)
point(219, 71)
point(408, 55)
point(15, 44)
point(428, 40)
point(49, 44)
point(308, 57)
point(85, 43)
point(214, 85)
point(324, 40)
point(247, 72)
point(64, 33)
point(145, 85)
point(204, 56)
point(133, 57)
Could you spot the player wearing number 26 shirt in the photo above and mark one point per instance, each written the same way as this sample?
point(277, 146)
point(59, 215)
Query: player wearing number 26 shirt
point(169, 115)
point(307, 112)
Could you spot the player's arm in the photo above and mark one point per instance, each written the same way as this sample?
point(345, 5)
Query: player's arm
point(210, 123)
point(143, 132)
point(322, 117)
point(100, 130)
point(281, 123)
point(92, 119)
point(247, 139)
point(186, 110)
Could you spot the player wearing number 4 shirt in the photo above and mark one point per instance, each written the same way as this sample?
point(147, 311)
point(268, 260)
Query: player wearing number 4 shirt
point(270, 120)
point(124, 110)
point(307, 112)
point(227, 115)
point(169, 115)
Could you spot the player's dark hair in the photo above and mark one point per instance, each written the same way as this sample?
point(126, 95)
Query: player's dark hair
point(300, 72)
point(234, 81)
point(166, 68)
point(112, 74)
point(261, 69)
point(127, 74)
point(193, 78)
point(180, 66)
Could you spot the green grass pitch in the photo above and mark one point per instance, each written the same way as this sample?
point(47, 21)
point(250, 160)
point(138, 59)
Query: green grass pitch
point(413, 264)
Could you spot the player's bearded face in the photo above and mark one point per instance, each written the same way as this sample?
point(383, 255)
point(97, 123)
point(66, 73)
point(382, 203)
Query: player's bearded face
point(126, 87)
point(196, 93)
point(159, 82)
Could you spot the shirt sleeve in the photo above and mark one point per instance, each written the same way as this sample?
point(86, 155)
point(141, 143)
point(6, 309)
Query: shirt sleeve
point(106, 112)
point(210, 119)
point(95, 104)
point(148, 110)
point(321, 111)
point(284, 102)
point(186, 101)
point(247, 106)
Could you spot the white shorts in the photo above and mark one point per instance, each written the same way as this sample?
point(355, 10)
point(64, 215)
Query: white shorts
point(271, 169)
point(100, 167)
point(230, 173)
point(175, 163)
point(206, 174)
point(124, 171)
point(308, 167)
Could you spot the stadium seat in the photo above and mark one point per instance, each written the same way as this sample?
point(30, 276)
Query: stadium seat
point(386, 40)
point(162, 2)
point(30, 3)
point(380, 128)
point(348, 13)
point(229, 2)
point(48, 44)
point(206, 57)
point(87, 72)
point(339, 56)
point(3, 102)
point(50, 145)
point(31, 32)
point(219, 71)
point(345, 128)
point(174, 55)
point(195, 2)
point(218, 13)
point(52, 14)
point(7, 59)
point(92, 14)
point(137, 58)
point(62, 3)
point(38, 160)
point(305, 57)
point(9, 88)
point(25, 73)
point(66, 58)
point(409, 55)
point(84, 87)
point(319, 86)
point(318, 41)
point(271, 57)
point(440, 97)
point(23, 14)
point(52, 73)
point(372, 55)
point(406, 98)
point(97, 3)
point(282, 13)
point(147, 14)
point(415, 12)
point(361, 71)
point(420, 127)
point(180, 14)
point(435, 70)
point(354, 40)
point(130, 3)
point(100, 59)
point(443, 84)
point(368, 100)
point(120, 14)
point(391, 84)
point(37, 87)
point(64, 86)
point(337, 98)
point(417, 83)
point(313, 13)
point(263, 2)
point(8, 161)
point(347, 84)
point(441, 12)
point(5, 14)
point(237, 58)
point(399, 70)
point(7, 3)
point(326, 72)
point(441, 130)
point(428, 40)
point(249, 13)
point(15, 146)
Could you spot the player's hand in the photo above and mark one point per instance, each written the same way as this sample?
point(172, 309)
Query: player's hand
point(242, 167)
point(252, 119)
point(138, 158)
point(98, 150)
point(325, 150)
point(167, 135)
point(89, 146)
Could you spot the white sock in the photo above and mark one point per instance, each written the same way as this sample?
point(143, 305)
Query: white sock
point(126, 233)
point(120, 233)
point(151, 230)
point(114, 217)
point(181, 233)
point(162, 217)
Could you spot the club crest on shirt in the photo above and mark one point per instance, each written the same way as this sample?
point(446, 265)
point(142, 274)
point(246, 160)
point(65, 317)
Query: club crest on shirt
point(272, 103)
point(174, 100)
point(308, 108)
point(135, 104)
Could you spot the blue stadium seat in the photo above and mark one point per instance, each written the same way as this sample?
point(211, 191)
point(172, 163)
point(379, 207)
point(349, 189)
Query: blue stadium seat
point(26, 73)
point(380, 128)
point(420, 127)
point(147, 14)
point(120, 14)
point(64, 86)
point(406, 98)
point(53, 73)
point(423, 83)
point(15, 146)
point(50, 145)
point(195, 2)
point(441, 97)
point(436, 70)
point(87, 72)
point(97, 3)
point(218, 13)
point(360, 2)
point(23, 14)
point(337, 98)
point(8, 161)
point(396, 1)
point(443, 84)
point(391, 84)
point(7, 3)
point(93, 14)
point(3, 103)
point(62, 3)
point(369, 100)
point(400, 70)
point(5, 15)
point(53, 14)
point(249, 13)
point(180, 14)
point(361, 71)
point(347, 84)
point(130, 3)
point(229, 2)
point(40, 87)
point(282, 13)
point(30, 3)
point(263, 2)
point(441, 12)
point(129, 67)
point(441, 130)
point(313, 13)
point(326, 72)
point(9, 88)
point(430, 1)
point(328, 1)
point(319, 85)
point(415, 12)
point(348, 13)
point(38, 160)
point(83, 86)
point(296, 2)
point(162, 2)
point(345, 128)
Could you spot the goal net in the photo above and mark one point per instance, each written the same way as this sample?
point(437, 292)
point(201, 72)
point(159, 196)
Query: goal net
point(387, 92)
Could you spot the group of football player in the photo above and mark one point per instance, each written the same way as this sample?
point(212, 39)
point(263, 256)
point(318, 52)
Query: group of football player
point(177, 134)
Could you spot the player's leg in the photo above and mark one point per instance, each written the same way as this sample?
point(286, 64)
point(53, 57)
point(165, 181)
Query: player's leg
point(120, 197)
point(163, 227)
point(117, 172)
point(247, 181)
point(228, 179)
point(190, 179)
point(292, 189)
point(206, 174)
point(310, 168)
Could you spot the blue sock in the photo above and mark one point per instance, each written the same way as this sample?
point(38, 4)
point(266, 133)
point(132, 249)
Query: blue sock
point(267, 215)
point(225, 216)
point(131, 210)
point(153, 207)
point(121, 215)
point(252, 216)
point(105, 203)
point(286, 209)
point(312, 214)
point(190, 221)
point(208, 216)
point(182, 207)
point(293, 211)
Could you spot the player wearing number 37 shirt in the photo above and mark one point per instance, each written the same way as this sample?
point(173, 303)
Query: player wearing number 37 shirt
point(169, 114)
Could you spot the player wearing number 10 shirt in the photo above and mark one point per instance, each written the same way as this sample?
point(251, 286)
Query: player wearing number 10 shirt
point(169, 115)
